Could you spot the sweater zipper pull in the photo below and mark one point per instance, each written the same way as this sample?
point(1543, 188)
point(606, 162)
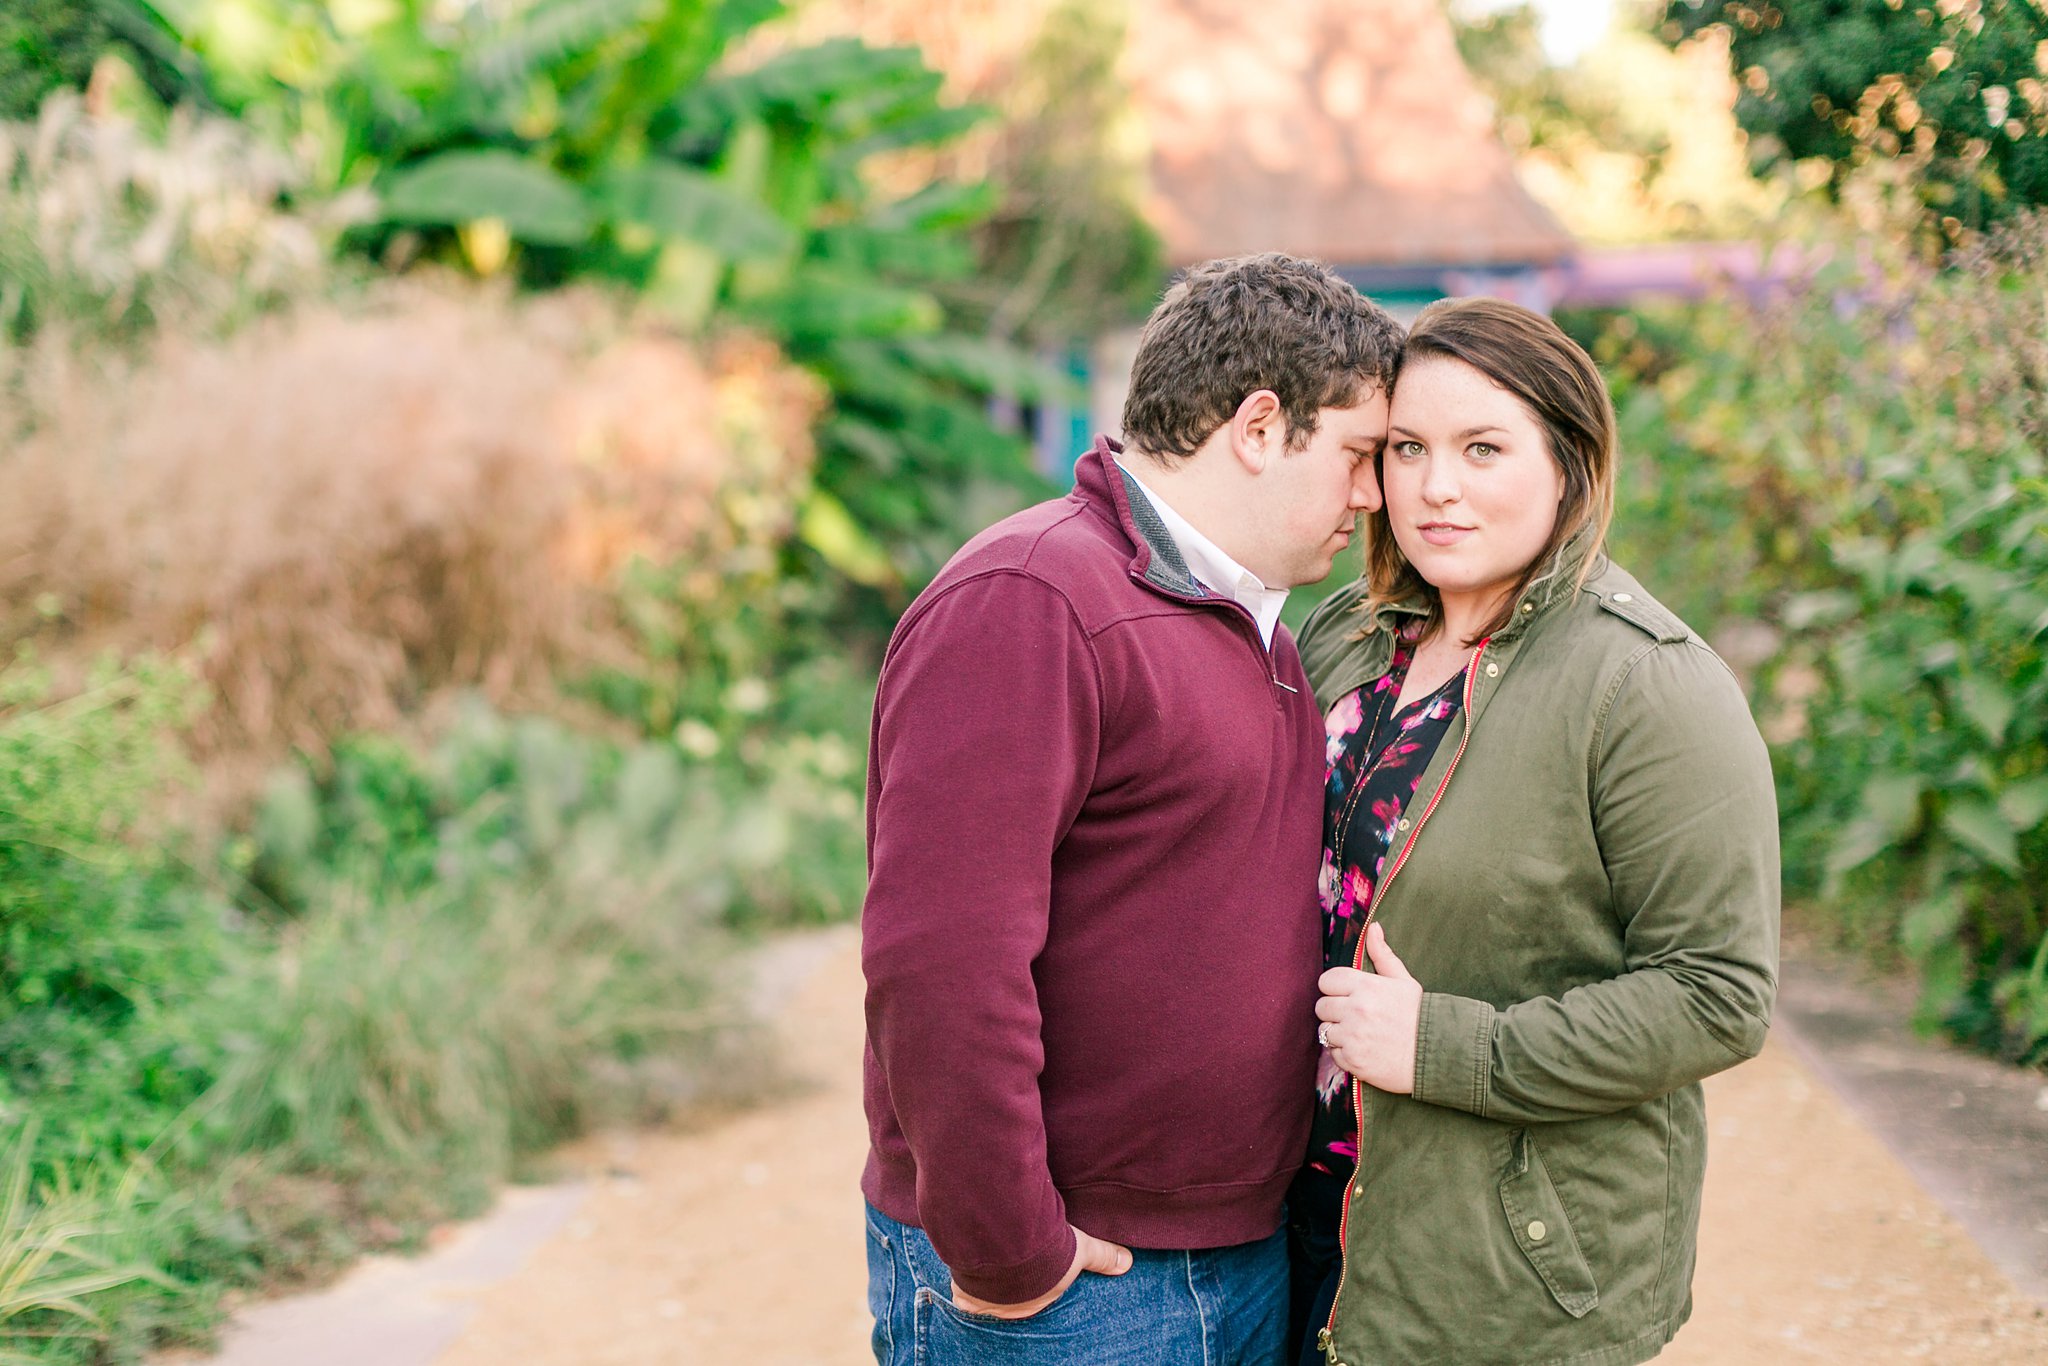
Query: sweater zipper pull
point(1278, 684)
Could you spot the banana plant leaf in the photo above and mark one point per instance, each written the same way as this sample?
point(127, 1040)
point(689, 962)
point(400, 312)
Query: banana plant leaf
point(535, 204)
point(681, 201)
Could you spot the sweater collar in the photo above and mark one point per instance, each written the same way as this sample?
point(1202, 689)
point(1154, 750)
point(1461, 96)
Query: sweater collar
point(1100, 480)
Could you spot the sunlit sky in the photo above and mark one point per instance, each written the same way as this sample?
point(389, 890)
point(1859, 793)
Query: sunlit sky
point(1569, 26)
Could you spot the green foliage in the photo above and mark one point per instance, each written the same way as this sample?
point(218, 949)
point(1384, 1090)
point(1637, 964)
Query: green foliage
point(755, 821)
point(104, 938)
point(419, 965)
point(53, 45)
point(1861, 468)
point(110, 948)
point(580, 139)
point(1065, 253)
point(1632, 142)
point(46, 45)
point(53, 1263)
point(1949, 92)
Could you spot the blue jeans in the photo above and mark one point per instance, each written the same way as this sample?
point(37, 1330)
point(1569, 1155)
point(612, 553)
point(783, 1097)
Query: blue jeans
point(1222, 1306)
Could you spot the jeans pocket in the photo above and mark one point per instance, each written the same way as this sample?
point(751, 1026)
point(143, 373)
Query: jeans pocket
point(882, 1260)
point(1543, 1229)
point(1061, 1334)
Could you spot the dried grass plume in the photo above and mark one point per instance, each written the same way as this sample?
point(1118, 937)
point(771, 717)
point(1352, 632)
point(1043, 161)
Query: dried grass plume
point(343, 510)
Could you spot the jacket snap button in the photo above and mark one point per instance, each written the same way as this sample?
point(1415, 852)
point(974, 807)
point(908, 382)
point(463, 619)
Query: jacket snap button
point(1537, 1231)
point(1493, 671)
point(1528, 607)
point(1624, 597)
point(1401, 824)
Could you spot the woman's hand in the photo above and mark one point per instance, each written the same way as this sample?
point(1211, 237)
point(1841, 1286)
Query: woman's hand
point(1373, 1019)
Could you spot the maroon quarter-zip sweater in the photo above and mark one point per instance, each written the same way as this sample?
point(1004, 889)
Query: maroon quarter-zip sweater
point(1091, 934)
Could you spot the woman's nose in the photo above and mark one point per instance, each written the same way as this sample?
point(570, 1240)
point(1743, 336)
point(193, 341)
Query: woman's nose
point(1440, 483)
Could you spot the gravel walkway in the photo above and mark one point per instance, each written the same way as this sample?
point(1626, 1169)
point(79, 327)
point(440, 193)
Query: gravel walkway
point(740, 1242)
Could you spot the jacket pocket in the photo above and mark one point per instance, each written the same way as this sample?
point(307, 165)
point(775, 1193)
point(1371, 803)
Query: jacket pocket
point(1536, 1217)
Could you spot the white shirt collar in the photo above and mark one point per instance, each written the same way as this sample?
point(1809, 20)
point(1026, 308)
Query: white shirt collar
point(1215, 570)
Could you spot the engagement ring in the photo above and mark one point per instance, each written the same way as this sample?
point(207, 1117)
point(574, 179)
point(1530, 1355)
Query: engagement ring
point(1323, 1033)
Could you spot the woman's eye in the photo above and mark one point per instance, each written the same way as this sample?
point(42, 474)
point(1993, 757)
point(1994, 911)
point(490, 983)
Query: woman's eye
point(1408, 450)
point(1483, 451)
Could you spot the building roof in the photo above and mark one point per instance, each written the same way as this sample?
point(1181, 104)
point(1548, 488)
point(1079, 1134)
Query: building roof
point(1346, 130)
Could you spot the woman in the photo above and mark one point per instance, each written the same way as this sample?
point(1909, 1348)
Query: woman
point(1552, 838)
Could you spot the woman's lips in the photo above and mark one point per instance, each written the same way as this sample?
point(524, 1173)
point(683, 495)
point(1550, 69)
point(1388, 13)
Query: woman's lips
point(1443, 533)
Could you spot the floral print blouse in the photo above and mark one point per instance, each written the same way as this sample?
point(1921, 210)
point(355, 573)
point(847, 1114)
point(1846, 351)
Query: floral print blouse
point(1375, 757)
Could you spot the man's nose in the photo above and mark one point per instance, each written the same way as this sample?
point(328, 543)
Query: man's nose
point(1365, 487)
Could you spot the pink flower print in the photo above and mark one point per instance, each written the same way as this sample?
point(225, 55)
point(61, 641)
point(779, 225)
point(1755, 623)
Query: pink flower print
point(1328, 883)
point(1330, 1079)
point(1343, 721)
point(1357, 890)
point(1353, 891)
point(1386, 811)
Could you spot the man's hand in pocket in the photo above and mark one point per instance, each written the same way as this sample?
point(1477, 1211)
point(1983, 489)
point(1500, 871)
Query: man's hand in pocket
point(1090, 1254)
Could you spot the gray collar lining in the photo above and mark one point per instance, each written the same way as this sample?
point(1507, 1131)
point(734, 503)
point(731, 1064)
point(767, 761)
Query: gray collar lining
point(1166, 569)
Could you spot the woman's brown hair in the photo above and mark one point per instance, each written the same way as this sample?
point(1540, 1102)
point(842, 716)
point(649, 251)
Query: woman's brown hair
point(1528, 355)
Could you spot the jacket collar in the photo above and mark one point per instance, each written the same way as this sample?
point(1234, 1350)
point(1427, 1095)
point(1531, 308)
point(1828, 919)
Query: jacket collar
point(1558, 586)
point(1368, 648)
point(1103, 484)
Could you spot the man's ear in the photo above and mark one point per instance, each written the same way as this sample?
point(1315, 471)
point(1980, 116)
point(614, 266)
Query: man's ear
point(1258, 430)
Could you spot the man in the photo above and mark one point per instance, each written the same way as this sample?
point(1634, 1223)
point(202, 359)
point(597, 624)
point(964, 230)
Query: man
point(1091, 933)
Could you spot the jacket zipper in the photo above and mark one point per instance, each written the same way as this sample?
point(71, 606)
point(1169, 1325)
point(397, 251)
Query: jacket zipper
point(1358, 963)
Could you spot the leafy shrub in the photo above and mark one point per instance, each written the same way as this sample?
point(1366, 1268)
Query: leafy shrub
point(449, 956)
point(45, 45)
point(55, 1271)
point(105, 939)
point(1944, 97)
point(756, 825)
point(1861, 467)
point(110, 949)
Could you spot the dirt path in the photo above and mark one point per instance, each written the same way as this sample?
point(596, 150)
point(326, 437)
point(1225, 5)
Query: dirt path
point(741, 1243)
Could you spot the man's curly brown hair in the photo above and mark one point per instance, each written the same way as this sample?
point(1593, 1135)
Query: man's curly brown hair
point(1229, 328)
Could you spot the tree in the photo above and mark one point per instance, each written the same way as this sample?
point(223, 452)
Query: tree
point(45, 44)
point(1632, 142)
point(1948, 92)
point(50, 45)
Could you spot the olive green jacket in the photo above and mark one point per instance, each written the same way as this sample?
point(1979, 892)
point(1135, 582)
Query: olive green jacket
point(1586, 885)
